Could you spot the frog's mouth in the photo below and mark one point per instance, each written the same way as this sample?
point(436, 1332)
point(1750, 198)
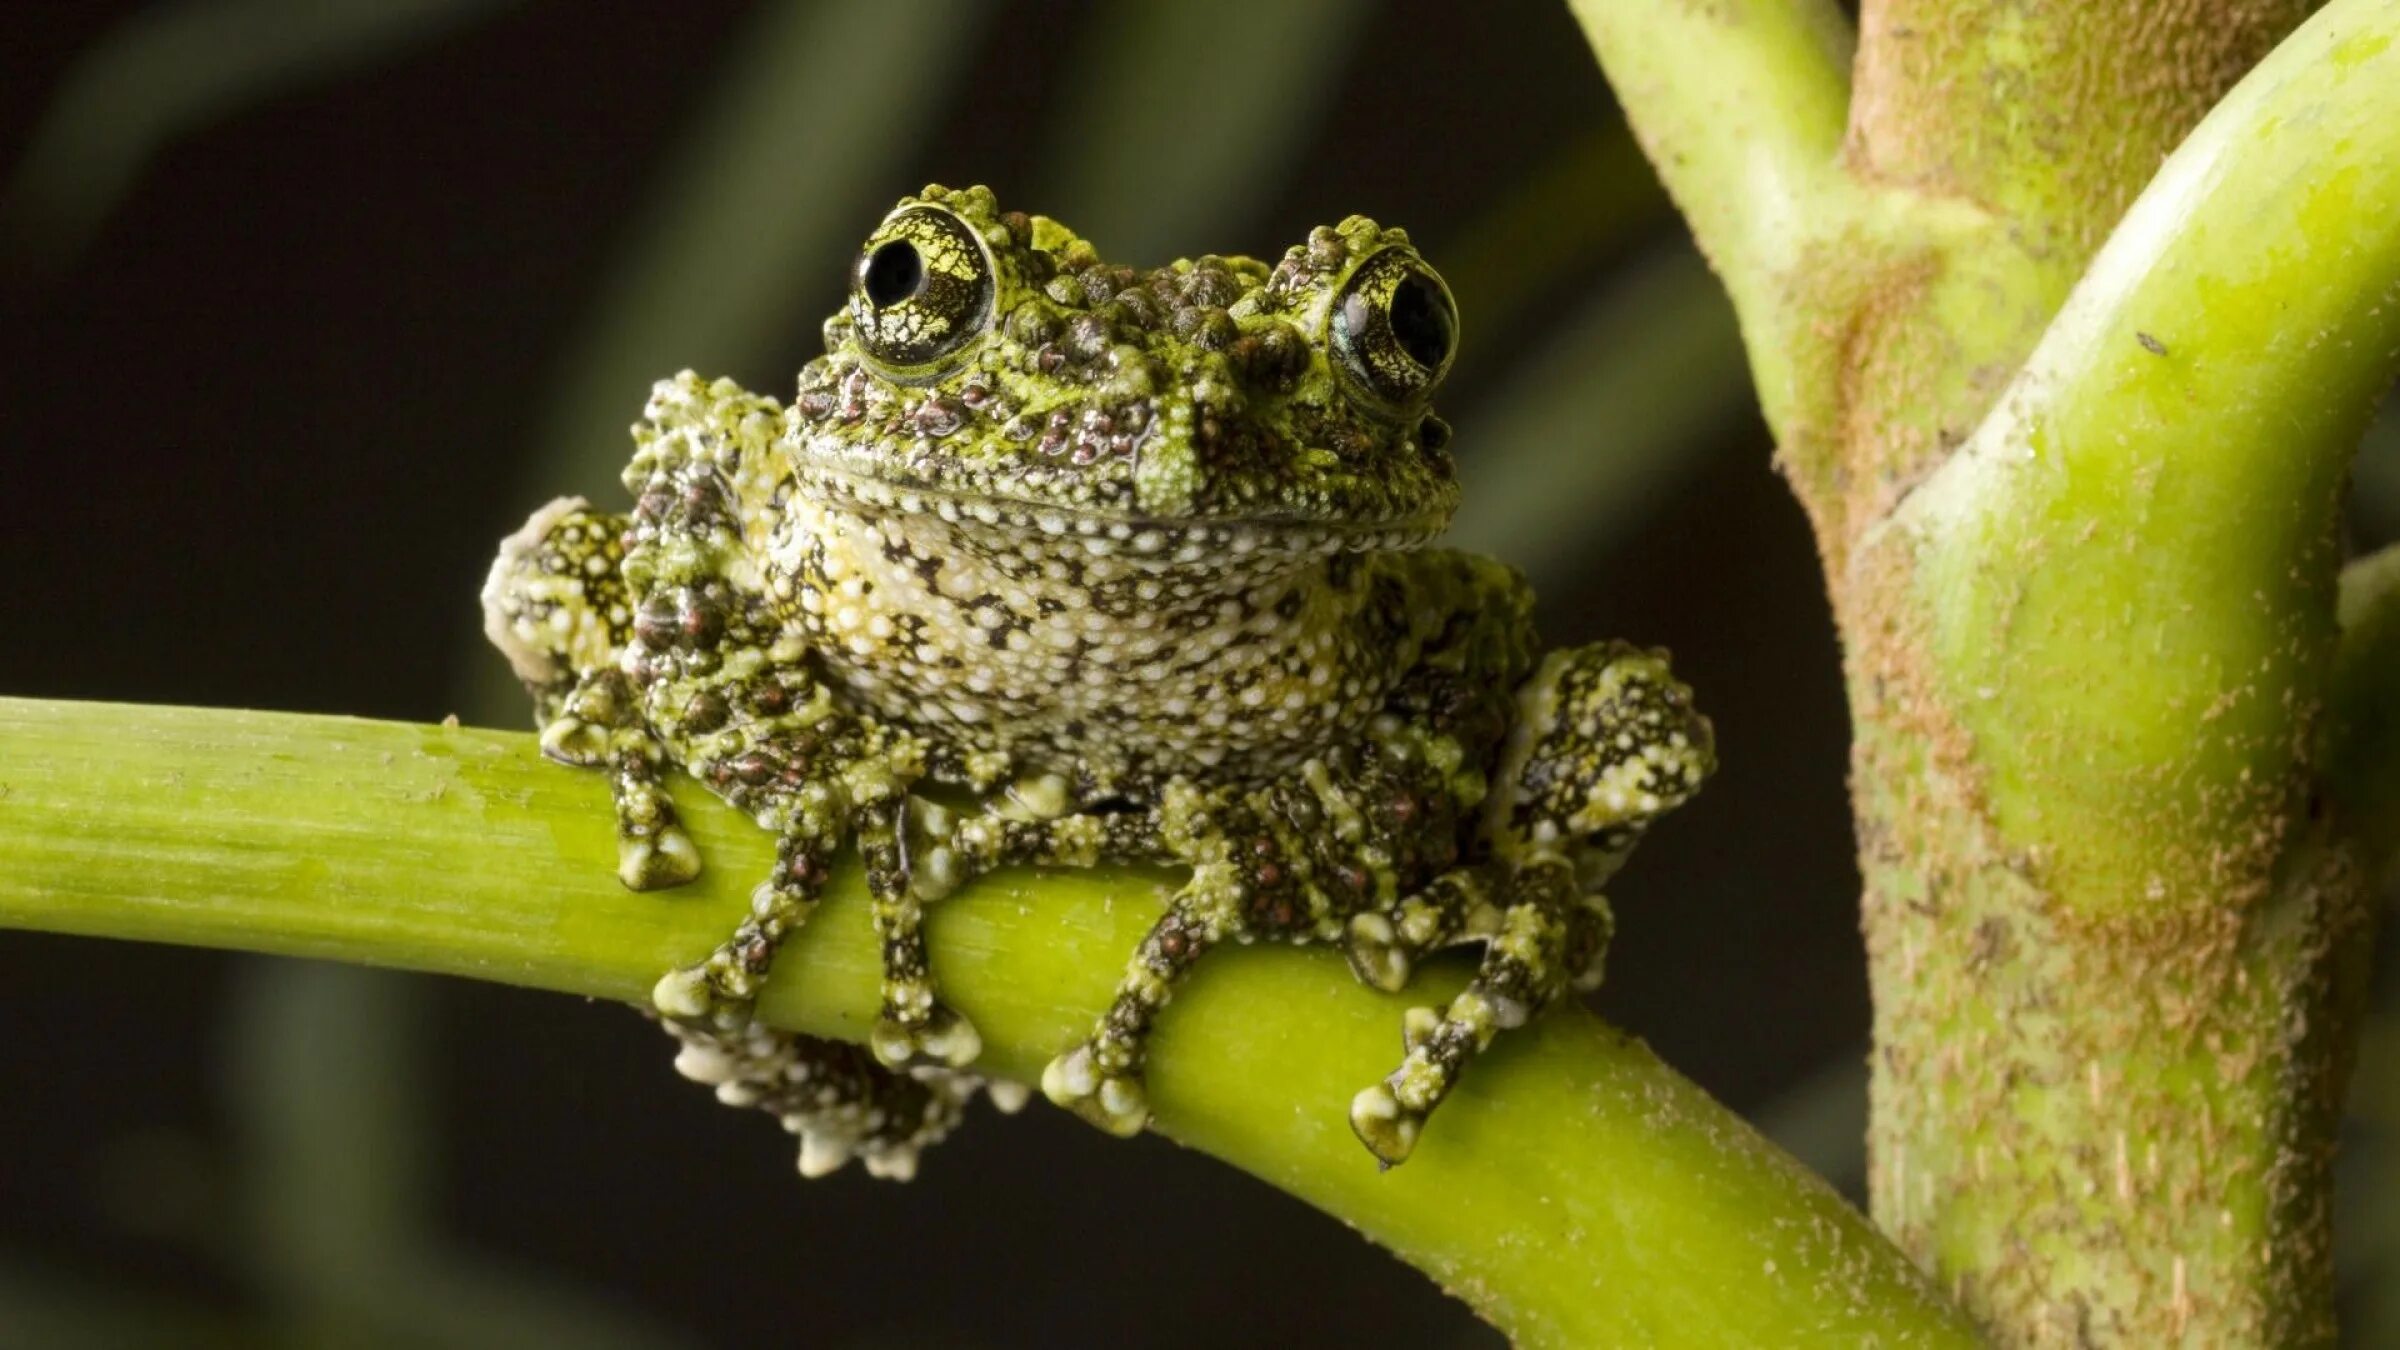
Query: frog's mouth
point(1115, 533)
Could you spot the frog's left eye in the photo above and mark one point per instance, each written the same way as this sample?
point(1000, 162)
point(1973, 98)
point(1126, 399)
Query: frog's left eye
point(921, 290)
point(1395, 328)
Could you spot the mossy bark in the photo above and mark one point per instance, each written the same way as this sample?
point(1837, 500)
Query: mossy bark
point(2078, 507)
point(2113, 1129)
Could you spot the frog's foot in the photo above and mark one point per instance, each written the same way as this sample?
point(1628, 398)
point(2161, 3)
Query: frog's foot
point(1546, 936)
point(1384, 946)
point(943, 851)
point(834, 1096)
point(598, 724)
point(922, 852)
point(1101, 1079)
point(658, 859)
point(1388, 1129)
point(917, 1030)
point(719, 992)
point(940, 1037)
point(1102, 1087)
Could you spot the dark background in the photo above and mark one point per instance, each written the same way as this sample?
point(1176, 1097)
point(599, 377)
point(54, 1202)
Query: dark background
point(303, 307)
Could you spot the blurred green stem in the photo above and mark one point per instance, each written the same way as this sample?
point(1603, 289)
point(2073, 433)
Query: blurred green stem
point(1742, 101)
point(1575, 1191)
point(2118, 763)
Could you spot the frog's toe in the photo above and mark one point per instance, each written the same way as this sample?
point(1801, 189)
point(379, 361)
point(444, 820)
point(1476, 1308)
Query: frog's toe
point(1115, 1102)
point(824, 1152)
point(898, 1163)
point(575, 742)
point(1388, 1129)
point(1377, 955)
point(1008, 1097)
point(656, 861)
point(688, 995)
point(683, 994)
point(943, 1038)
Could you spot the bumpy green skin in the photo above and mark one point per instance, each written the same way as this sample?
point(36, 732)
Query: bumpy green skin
point(1132, 563)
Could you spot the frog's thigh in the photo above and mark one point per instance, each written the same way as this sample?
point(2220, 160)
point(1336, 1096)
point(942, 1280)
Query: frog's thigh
point(556, 604)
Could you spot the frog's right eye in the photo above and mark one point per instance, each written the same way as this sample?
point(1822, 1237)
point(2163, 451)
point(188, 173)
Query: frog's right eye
point(1395, 328)
point(921, 290)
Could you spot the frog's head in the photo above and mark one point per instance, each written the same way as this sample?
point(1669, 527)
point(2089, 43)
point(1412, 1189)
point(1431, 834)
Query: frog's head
point(990, 367)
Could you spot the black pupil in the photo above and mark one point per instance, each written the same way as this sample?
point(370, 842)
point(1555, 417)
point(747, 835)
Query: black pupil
point(895, 272)
point(1421, 322)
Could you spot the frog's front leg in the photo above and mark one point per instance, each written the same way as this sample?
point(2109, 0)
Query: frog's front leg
point(916, 1029)
point(556, 604)
point(728, 681)
point(1280, 862)
point(1101, 1079)
point(1605, 741)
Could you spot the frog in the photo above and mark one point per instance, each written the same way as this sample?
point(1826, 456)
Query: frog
point(1053, 560)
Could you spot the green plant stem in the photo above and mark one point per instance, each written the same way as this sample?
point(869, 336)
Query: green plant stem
point(1998, 105)
point(2118, 945)
point(1574, 1191)
point(2164, 476)
point(1747, 151)
point(2115, 904)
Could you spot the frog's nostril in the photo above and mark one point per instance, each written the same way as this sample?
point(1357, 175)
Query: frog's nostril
point(895, 272)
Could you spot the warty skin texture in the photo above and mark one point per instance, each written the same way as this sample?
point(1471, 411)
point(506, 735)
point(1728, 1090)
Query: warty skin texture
point(1052, 560)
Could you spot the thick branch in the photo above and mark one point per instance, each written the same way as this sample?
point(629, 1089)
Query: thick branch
point(1575, 1190)
point(2129, 570)
point(2049, 114)
point(1740, 105)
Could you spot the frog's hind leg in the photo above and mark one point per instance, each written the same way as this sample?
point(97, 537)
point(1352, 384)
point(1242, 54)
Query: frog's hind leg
point(1384, 946)
point(920, 854)
point(1604, 741)
point(720, 990)
point(556, 604)
point(1537, 943)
